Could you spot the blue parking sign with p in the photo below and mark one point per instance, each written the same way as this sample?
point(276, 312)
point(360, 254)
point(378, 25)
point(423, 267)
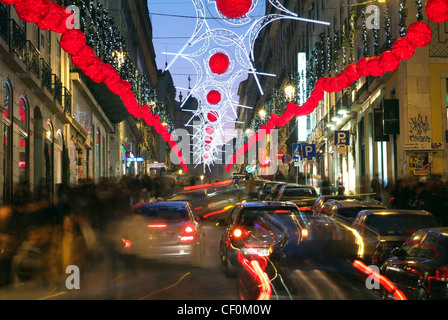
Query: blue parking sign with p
point(342, 138)
point(309, 150)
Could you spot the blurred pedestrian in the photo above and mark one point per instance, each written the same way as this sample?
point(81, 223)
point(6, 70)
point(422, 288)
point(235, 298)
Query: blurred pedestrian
point(28, 265)
point(249, 187)
point(377, 186)
point(423, 200)
point(340, 186)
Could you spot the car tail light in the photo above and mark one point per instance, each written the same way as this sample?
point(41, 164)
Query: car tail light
point(240, 233)
point(442, 274)
point(305, 233)
point(127, 243)
point(188, 234)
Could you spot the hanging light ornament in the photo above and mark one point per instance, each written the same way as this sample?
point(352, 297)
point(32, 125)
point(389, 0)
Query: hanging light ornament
point(419, 34)
point(437, 10)
point(214, 97)
point(388, 61)
point(219, 63)
point(54, 19)
point(234, 9)
point(32, 11)
point(213, 116)
point(403, 49)
point(73, 41)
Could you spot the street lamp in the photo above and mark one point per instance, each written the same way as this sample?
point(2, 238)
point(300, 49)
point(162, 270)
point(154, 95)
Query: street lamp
point(262, 113)
point(290, 92)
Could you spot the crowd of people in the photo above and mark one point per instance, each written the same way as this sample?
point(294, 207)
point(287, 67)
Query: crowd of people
point(40, 236)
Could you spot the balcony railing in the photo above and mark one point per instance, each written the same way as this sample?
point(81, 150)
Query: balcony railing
point(46, 75)
point(32, 60)
point(57, 88)
point(17, 43)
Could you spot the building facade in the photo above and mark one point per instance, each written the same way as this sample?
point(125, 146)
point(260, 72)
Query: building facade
point(396, 122)
point(57, 125)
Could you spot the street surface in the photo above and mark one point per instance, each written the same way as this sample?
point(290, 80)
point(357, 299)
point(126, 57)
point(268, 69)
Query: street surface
point(116, 277)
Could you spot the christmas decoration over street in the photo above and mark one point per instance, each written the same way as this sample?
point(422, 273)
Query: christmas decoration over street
point(223, 65)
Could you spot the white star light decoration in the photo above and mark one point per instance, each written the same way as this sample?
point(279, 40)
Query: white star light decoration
point(221, 56)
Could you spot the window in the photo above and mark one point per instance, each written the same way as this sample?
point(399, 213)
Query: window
point(411, 245)
point(23, 141)
point(428, 249)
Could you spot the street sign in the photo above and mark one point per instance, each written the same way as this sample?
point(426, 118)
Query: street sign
point(296, 152)
point(342, 137)
point(280, 154)
point(309, 150)
point(286, 159)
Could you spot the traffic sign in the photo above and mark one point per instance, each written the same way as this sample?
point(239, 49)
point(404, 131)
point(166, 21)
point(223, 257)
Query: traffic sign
point(296, 152)
point(280, 154)
point(309, 150)
point(286, 159)
point(342, 137)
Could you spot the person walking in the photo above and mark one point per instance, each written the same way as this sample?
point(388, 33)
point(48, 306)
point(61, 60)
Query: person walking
point(249, 187)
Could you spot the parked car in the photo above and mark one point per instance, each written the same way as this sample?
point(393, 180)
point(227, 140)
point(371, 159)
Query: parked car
point(257, 228)
point(165, 230)
point(266, 189)
point(303, 196)
point(383, 230)
point(419, 268)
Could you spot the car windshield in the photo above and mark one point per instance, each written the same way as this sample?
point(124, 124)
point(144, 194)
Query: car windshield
point(162, 213)
point(350, 213)
point(300, 192)
point(400, 225)
point(251, 215)
point(268, 186)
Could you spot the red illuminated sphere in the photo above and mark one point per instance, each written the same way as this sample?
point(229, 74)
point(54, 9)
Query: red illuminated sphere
point(234, 9)
point(437, 10)
point(73, 41)
point(214, 97)
point(403, 49)
point(419, 34)
point(32, 11)
point(210, 130)
point(388, 62)
point(8, 1)
point(219, 63)
point(212, 116)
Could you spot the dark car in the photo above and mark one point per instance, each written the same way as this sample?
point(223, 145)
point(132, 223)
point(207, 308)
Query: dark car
point(325, 198)
point(383, 230)
point(274, 192)
point(303, 196)
point(164, 230)
point(256, 228)
point(266, 189)
point(419, 268)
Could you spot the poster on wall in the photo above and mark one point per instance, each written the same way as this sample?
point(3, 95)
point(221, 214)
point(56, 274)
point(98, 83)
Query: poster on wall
point(419, 163)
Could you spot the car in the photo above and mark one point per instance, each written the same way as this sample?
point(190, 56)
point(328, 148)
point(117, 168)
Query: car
point(332, 224)
point(383, 230)
point(259, 183)
point(274, 192)
point(257, 228)
point(419, 267)
point(303, 196)
point(164, 231)
point(325, 198)
point(266, 189)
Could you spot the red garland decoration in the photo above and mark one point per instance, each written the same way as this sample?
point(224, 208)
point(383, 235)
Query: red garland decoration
point(54, 19)
point(352, 73)
point(73, 41)
point(234, 9)
point(419, 34)
point(8, 1)
point(214, 97)
point(403, 49)
point(388, 62)
point(362, 68)
point(219, 63)
point(374, 67)
point(84, 58)
point(32, 11)
point(437, 10)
